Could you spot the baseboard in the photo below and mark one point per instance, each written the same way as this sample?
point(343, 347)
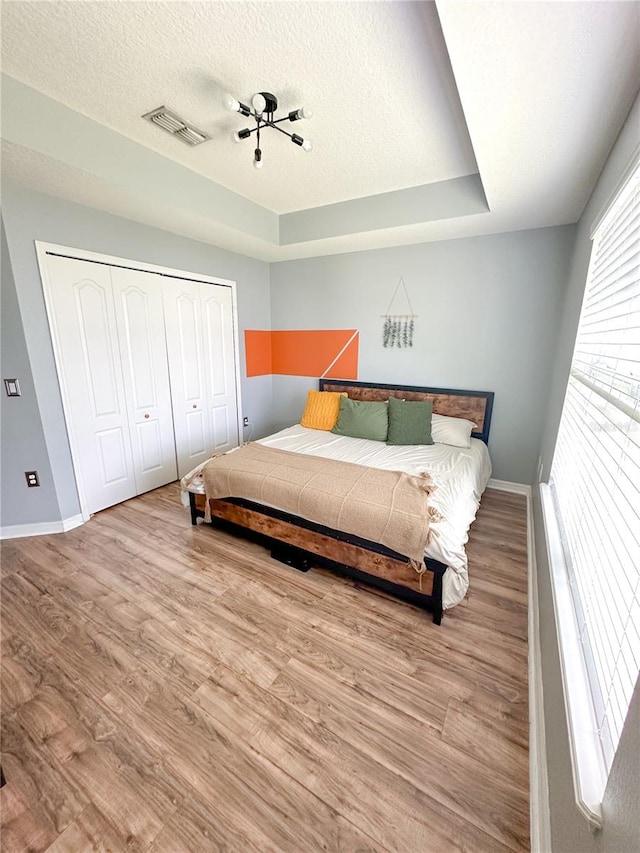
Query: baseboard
point(506, 486)
point(74, 521)
point(41, 528)
point(540, 818)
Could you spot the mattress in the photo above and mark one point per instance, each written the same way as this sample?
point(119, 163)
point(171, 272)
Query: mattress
point(460, 476)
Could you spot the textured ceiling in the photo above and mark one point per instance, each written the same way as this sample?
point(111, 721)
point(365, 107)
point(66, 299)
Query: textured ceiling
point(408, 98)
point(375, 75)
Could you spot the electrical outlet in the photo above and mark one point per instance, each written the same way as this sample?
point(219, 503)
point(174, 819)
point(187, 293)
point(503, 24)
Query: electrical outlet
point(32, 478)
point(245, 421)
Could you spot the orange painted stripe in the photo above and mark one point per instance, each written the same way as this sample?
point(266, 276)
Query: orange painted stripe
point(346, 367)
point(257, 346)
point(307, 352)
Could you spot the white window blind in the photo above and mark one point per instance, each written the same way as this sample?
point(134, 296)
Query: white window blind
point(595, 475)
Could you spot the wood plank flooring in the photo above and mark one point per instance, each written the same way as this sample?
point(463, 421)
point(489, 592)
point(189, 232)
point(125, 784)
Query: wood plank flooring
point(171, 688)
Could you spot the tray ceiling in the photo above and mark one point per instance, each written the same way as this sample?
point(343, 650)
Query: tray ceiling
point(459, 117)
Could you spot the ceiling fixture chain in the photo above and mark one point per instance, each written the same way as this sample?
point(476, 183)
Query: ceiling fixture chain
point(264, 107)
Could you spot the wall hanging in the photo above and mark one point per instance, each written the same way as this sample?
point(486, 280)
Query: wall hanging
point(397, 329)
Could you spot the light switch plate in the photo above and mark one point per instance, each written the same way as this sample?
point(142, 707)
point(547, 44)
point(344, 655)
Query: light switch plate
point(12, 387)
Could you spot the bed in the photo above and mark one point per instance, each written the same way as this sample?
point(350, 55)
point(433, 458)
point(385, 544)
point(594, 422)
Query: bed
point(459, 474)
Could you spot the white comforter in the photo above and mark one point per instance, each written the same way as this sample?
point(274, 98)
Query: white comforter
point(460, 476)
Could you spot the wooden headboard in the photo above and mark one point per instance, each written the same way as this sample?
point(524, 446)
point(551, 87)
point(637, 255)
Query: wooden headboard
point(475, 406)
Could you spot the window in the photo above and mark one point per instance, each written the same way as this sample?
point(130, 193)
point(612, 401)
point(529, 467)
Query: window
point(595, 475)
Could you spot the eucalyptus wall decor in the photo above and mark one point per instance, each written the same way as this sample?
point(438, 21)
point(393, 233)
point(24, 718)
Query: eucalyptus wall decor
point(397, 330)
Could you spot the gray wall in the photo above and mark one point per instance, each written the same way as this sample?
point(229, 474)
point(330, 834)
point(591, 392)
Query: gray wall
point(491, 311)
point(570, 833)
point(30, 216)
point(488, 312)
point(23, 445)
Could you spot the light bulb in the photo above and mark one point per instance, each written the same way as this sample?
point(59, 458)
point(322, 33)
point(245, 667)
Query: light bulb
point(230, 103)
point(235, 136)
point(257, 164)
point(307, 145)
point(259, 103)
point(301, 112)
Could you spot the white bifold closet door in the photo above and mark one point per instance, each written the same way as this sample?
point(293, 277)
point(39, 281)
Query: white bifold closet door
point(143, 356)
point(200, 346)
point(147, 366)
point(109, 329)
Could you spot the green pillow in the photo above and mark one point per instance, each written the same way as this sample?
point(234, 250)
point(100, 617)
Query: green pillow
point(409, 423)
point(362, 420)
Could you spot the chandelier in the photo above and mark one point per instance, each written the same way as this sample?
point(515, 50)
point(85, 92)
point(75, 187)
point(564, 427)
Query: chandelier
point(264, 106)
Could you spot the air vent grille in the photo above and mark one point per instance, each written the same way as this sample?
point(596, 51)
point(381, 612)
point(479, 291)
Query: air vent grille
point(176, 126)
point(191, 136)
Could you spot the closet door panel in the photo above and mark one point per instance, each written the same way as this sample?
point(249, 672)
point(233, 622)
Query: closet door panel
point(188, 317)
point(221, 398)
point(99, 361)
point(140, 320)
point(84, 325)
point(194, 440)
point(215, 330)
point(148, 442)
point(113, 452)
point(183, 324)
point(223, 430)
point(197, 434)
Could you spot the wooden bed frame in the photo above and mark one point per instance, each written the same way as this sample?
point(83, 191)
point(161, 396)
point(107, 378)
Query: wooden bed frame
point(303, 544)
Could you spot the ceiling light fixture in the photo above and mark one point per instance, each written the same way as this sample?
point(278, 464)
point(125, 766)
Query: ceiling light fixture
point(263, 106)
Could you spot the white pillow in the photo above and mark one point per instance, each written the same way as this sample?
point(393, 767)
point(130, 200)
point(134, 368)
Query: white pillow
point(454, 431)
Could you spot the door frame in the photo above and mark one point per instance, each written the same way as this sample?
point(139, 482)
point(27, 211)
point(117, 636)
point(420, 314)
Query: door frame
point(42, 250)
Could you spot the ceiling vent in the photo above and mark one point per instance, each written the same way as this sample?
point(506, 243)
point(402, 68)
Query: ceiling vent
point(176, 126)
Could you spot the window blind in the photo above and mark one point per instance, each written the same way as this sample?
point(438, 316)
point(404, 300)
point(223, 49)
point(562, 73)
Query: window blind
point(595, 475)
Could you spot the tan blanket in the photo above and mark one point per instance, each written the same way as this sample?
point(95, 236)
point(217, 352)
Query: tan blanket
point(387, 507)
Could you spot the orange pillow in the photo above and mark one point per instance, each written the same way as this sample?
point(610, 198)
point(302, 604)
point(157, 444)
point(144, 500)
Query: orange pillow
point(321, 410)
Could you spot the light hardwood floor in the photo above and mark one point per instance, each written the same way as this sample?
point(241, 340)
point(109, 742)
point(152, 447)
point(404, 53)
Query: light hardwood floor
point(170, 688)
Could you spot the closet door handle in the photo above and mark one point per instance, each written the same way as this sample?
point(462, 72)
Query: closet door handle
point(146, 416)
point(195, 405)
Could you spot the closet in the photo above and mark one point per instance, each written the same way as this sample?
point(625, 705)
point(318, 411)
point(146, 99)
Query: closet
point(200, 348)
point(147, 368)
